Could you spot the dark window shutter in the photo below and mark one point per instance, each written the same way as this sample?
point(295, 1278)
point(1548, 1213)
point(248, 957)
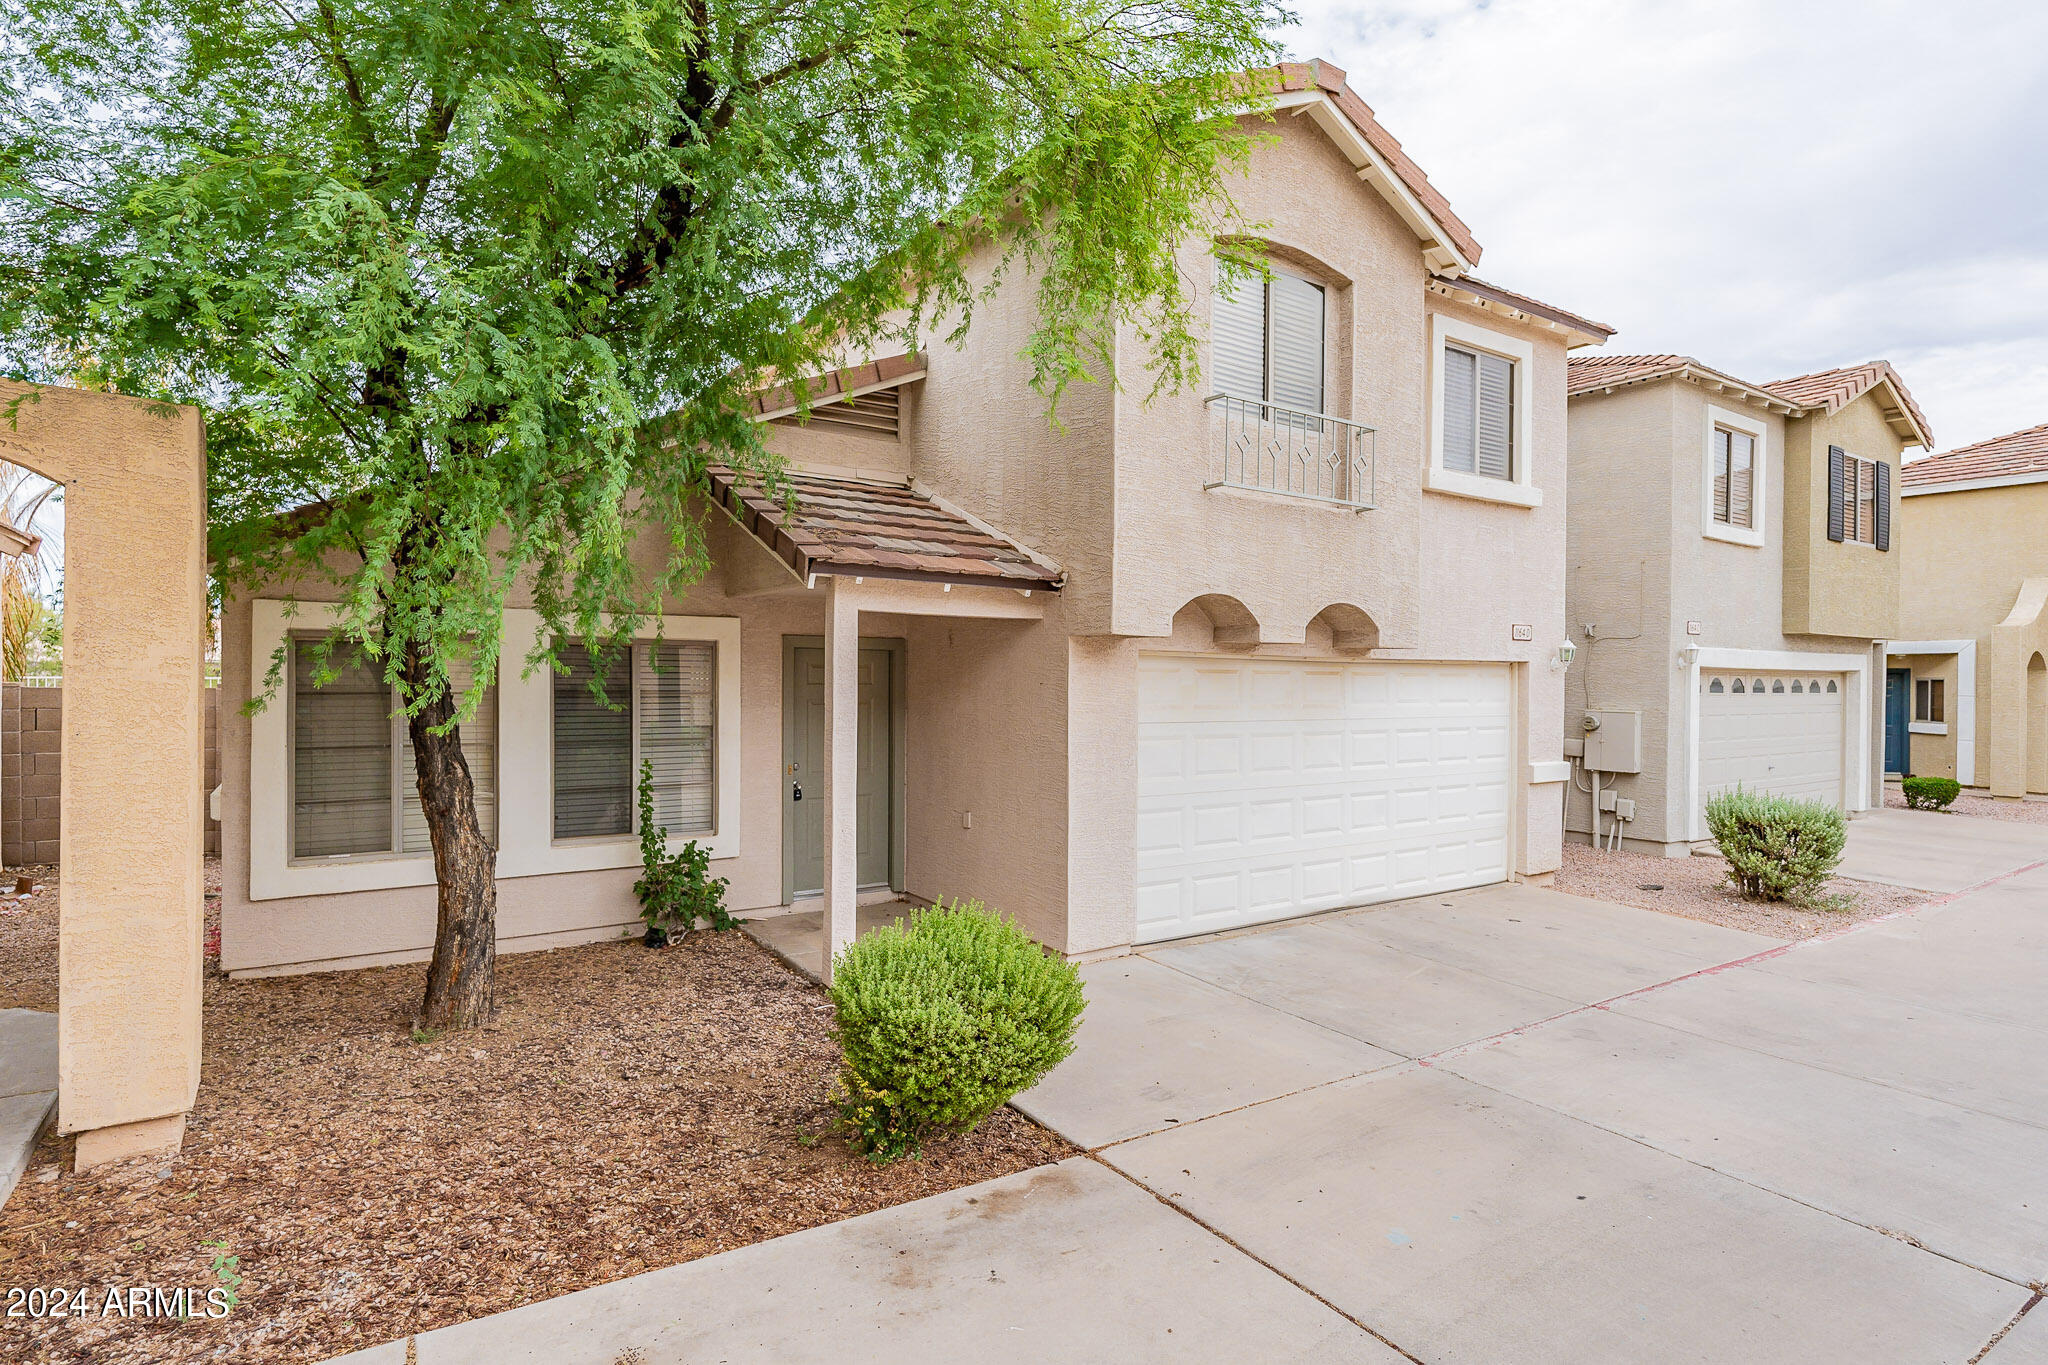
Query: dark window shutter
point(1838, 469)
point(1884, 505)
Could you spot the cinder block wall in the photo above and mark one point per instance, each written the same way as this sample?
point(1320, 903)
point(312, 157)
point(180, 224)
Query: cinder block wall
point(31, 720)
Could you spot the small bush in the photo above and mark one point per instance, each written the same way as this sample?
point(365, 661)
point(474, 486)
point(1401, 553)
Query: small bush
point(675, 889)
point(942, 1021)
point(1777, 849)
point(1930, 793)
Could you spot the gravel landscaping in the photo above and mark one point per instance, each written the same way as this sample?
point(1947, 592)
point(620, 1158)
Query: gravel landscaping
point(629, 1109)
point(1697, 888)
point(2029, 812)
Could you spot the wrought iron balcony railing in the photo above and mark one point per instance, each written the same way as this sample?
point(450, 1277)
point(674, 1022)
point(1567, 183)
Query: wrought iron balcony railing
point(1297, 454)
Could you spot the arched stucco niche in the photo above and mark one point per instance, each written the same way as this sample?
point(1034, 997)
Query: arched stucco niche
point(130, 880)
point(1227, 622)
point(1352, 630)
point(2037, 724)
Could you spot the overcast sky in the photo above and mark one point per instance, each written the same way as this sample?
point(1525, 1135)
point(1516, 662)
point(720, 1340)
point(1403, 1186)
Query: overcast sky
point(1771, 188)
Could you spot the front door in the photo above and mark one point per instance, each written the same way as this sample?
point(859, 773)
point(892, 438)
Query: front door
point(803, 779)
point(1898, 693)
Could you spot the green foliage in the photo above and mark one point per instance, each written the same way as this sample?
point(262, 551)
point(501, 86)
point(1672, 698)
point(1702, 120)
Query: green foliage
point(482, 287)
point(227, 1270)
point(1777, 849)
point(436, 268)
point(1930, 793)
point(942, 1021)
point(675, 889)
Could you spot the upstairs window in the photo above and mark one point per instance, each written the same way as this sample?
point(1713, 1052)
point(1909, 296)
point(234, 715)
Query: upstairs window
point(1479, 413)
point(1859, 499)
point(354, 788)
point(1266, 341)
point(666, 709)
point(1734, 476)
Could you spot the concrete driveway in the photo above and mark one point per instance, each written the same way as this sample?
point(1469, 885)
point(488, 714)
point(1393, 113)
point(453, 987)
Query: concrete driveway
point(1501, 1125)
point(1936, 851)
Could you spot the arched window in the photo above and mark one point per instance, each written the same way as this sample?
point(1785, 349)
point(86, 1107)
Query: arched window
point(1797, 687)
point(1715, 687)
point(1757, 686)
point(1831, 684)
point(1738, 688)
point(1778, 686)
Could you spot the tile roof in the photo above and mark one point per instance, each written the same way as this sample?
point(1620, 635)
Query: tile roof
point(2003, 457)
point(1832, 390)
point(845, 526)
point(1329, 78)
point(1586, 374)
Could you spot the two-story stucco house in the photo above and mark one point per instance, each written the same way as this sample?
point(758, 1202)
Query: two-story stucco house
point(1968, 677)
point(1285, 644)
point(1733, 577)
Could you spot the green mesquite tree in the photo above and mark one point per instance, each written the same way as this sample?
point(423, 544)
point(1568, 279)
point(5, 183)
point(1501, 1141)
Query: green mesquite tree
point(435, 268)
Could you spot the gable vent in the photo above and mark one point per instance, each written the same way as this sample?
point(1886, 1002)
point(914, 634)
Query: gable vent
point(878, 413)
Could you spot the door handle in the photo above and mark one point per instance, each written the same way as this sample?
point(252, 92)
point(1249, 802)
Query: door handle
point(796, 791)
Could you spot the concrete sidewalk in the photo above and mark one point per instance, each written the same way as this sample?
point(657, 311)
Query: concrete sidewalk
point(28, 1088)
point(1506, 1124)
point(1938, 851)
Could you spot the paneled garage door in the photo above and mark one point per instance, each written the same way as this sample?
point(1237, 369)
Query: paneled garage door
point(1271, 788)
point(1774, 732)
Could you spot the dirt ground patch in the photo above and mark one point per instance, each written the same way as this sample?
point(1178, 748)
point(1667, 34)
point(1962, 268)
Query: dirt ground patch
point(1697, 888)
point(629, 1109)
point(28, 940)
point(2028, 812)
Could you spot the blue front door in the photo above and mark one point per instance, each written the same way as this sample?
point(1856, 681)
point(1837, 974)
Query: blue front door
point(1898, 692)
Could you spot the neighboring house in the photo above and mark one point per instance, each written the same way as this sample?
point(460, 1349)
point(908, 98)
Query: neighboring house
point(1732, 580)
point(1157, 671)
point(1969, 673)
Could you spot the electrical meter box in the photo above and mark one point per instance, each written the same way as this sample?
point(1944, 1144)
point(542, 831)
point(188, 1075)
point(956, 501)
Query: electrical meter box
point(1614, 741)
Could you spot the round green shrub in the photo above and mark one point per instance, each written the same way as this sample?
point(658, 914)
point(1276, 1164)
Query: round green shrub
point(1777, 849)
point(1930, 793)
point(941, 1021)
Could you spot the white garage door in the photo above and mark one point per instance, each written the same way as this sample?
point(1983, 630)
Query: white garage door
point(1270, 788)
point(1774, 732)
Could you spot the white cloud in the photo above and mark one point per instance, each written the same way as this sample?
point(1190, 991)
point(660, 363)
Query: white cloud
point(1771, 187)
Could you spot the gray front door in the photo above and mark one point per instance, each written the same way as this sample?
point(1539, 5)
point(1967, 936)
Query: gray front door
point(803, 789)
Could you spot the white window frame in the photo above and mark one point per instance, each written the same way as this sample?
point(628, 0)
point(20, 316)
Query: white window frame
point(1753, 534)
point(1520, 490)
point(526, 844)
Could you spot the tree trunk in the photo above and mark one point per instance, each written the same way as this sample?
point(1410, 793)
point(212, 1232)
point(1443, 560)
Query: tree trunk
point(462, 979)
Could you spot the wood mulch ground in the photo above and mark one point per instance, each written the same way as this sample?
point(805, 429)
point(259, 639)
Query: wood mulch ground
point(628, 1109)
point(1697, 888)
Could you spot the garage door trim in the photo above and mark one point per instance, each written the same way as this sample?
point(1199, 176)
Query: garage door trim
point(1855, 672)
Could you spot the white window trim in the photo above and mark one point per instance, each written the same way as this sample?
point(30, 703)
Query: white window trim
point(1519, 491)
point(1855, 672)
point(526, 844)
point(1962, 702)
point(1759, 482)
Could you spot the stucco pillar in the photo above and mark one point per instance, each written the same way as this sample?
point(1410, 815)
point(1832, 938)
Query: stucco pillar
point(135, 612)
point(842, 765)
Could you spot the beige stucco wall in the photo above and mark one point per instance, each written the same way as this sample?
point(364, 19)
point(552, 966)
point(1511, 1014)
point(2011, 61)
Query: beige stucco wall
point(1021, 736)
point(1840, 588)
point(133, 733)
point(1642, 568)
point(1967, 557)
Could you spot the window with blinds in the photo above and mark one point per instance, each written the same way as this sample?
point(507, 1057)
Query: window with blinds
point(666, 715)
point(1266, 341)
point(1734, 476)
point(341, 759)
point(1479, 413)
point(354, 788)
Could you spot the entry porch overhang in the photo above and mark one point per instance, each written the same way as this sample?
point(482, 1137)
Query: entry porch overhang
point(882, 547)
